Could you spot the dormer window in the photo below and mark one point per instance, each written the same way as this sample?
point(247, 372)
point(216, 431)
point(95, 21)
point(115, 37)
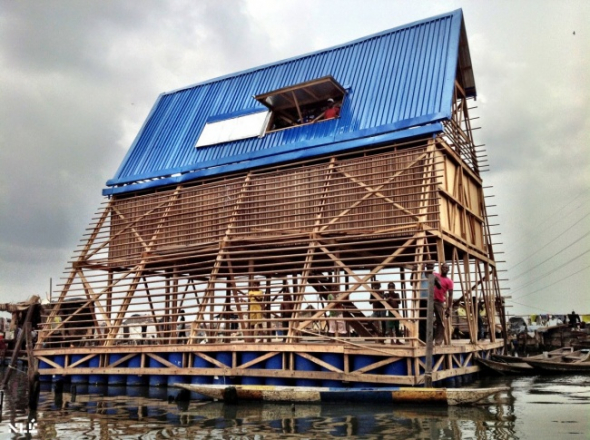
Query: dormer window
point(305, 103)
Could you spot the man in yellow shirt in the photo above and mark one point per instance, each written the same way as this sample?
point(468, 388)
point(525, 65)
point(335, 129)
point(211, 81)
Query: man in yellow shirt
point(255, 298)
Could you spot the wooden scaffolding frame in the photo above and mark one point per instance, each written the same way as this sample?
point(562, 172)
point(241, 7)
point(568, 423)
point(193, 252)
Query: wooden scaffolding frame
point(170, 270)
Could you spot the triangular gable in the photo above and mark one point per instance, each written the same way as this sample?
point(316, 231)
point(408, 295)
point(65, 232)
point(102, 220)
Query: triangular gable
point(397, 84)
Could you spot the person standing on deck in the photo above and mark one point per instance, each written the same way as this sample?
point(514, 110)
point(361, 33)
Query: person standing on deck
point(255, 298)
point(393, 299)
point(378, 309)
point(180, 327)
point(574, 320)
point(335, 324)
point(480, 323)
point(443, 292)
point(286, 311)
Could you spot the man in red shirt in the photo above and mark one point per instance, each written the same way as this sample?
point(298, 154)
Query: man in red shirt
point(332, 111)
point(443, 288)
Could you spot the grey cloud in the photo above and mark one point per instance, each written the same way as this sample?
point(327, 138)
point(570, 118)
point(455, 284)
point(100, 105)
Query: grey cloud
point(80, 77)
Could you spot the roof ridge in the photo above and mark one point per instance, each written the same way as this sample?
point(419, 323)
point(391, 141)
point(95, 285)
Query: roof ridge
point(316, 52)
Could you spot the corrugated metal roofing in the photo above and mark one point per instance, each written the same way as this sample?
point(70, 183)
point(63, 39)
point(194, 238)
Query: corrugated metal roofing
point(396, 80)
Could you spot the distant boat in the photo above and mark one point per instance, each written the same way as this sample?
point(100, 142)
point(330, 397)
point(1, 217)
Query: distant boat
point(506, 367)
point(554, 354)
point(576, 362)
point(271, 393)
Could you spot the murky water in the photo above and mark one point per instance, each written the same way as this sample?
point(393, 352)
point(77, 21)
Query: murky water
point(538, 407)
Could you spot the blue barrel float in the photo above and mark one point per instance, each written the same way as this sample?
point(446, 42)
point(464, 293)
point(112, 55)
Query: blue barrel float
point(44, 377)
point(275, 363)
point(60, 360)
point(79, 378)
point(134, 379)
point(116, 379)
point(156, 380)
point(449, 382)
point(96, 379)
point(225, 357)
point(336, 360)
point(469, 377)
point(176, 360)
point(399, 368)
point(247, 357)
point(199, 362)
point(360, 361)
point(303, 364)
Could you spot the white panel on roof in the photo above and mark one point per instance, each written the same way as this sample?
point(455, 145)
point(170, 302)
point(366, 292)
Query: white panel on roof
point(240, 127)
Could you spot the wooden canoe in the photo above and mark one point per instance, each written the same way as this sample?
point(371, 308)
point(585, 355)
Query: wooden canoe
point(507, 368)
point(575, 362)
point(272, 393)
point(555, 354)
point(506, 358)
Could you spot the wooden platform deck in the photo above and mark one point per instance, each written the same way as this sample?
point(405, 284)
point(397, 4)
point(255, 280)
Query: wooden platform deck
point(341, 361)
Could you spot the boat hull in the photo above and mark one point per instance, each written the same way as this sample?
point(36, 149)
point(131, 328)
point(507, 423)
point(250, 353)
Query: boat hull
point(233, 394)
point(508, 368)
point(560, 367)
point(575, 362)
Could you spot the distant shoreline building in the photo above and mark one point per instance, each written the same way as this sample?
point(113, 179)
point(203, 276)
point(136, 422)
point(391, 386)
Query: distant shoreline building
point(323, 178)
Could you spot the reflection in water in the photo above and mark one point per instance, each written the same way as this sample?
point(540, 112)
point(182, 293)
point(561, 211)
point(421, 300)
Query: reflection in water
point(96, 416)
point(138, 412)
point(142, 413)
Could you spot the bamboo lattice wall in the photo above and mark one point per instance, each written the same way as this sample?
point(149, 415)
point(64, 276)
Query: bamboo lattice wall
point(335, 225)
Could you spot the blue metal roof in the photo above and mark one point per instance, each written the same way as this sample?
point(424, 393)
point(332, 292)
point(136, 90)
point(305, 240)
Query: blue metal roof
point(399, 84)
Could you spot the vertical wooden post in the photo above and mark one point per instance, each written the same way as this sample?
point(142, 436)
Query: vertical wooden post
point(402, 277)
point(31, 361)
point(429, 325)
point(32, 376)
point(17, 346)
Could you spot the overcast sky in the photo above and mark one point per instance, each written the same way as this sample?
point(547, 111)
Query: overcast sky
point(78, 78)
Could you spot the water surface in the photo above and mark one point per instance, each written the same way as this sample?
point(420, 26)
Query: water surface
point(538, 407)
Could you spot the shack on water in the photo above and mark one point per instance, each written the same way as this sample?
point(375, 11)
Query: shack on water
point(276, 225)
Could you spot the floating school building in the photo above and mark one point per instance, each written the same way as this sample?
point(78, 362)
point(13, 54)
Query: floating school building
point(321, 178)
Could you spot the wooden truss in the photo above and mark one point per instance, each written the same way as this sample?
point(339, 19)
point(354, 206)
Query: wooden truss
point(323, 238)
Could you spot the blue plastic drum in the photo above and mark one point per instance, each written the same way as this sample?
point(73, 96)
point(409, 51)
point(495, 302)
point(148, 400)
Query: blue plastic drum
point(303, 364)
point(176, 359)
point(225, 358)
point(60, 360)
point(361, 361)
point(247, 380)
point(79, 378)
point(399, 368)
point(275, 363)
point(134, 379)
point(116, 379)
point(96, 379)
point(336, 360)
point(199, 362)
point(44, 377)
point(157, 380)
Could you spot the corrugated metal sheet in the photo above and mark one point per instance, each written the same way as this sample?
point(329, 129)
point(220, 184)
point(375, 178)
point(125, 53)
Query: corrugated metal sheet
point(395, 80)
